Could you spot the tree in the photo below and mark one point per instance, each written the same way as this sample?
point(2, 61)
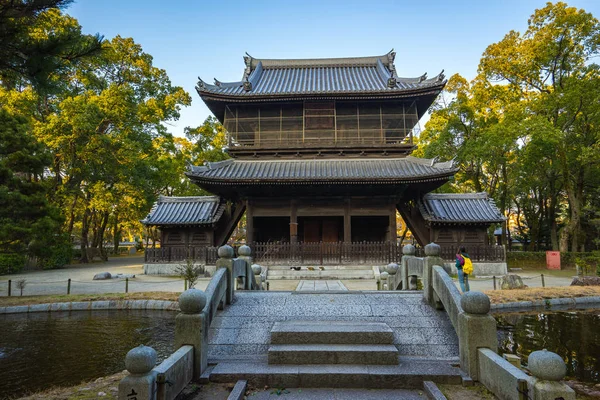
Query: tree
point(550, 64)
point(32, 49)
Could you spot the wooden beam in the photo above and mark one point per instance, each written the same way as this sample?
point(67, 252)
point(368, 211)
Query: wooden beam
point(293, 221)
point(249, 223)
point(392, 235)
point(347, 222)
point(415, 222)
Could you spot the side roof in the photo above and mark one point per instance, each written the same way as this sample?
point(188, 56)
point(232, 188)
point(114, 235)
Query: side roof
point(459, 208)
point(185, 211)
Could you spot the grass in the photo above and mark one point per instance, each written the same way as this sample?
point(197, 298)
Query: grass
point(84, 391)
point(64, 298)
point(532, 294)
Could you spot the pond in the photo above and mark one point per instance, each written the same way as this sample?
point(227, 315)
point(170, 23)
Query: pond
point(574, 335)
point(41, 350)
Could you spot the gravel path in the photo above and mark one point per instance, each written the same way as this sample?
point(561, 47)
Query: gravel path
point(55, 281)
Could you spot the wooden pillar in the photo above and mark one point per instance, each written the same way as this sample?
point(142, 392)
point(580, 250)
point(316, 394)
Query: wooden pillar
point(293, 221)
point(392, 236)
point(347, 222)
point(249, 223)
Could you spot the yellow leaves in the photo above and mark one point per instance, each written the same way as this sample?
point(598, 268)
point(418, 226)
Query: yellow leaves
point(53, 23)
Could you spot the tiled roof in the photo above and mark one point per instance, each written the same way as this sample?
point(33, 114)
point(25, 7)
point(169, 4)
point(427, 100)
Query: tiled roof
point(323, 171)
point(459, 208)
point(321, 76)
point(190, 210)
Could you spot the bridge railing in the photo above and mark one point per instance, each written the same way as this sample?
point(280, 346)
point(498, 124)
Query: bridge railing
point(470, 316)
point(198, 309)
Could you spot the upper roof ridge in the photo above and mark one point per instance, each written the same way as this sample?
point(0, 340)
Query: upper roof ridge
point(268, 63)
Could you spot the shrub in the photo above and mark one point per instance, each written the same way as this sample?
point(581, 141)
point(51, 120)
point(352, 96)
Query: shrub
point(190, 272)
point(56, 256)
point(11, 263)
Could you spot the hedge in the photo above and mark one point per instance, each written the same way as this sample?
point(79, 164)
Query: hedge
point(537, 259)
point(11, 263)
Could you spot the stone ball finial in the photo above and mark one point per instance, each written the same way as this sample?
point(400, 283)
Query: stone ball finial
point(257, 269)
point(547, 365)
point(140, 360)
point(409, 250)
point(225, 251)
point(244, 251)
point(433, 250)
point(475, 303)
point(392, 268)
point(383, 276)
point(192, 301)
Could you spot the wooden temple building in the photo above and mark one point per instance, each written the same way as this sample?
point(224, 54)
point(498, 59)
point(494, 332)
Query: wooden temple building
point(320, 153)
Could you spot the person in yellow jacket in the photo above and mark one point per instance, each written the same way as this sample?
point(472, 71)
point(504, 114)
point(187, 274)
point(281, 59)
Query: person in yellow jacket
point(464, 267)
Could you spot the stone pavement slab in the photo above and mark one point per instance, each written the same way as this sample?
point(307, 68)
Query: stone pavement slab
point(320, 285)
point(242, 330)
point(338, 394)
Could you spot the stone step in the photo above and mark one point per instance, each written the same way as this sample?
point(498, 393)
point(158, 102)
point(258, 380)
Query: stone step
point(331, 332)
point(376, 354)
point(403, 376)
point(364, 267)
point(332, 274)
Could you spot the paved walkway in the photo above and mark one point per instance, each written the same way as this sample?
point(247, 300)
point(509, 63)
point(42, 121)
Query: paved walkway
point(55, 281)
point(320, 286)
point(241, 332)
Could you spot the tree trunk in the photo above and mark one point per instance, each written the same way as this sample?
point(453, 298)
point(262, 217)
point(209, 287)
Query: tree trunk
point(116, 233)
point(85, 228)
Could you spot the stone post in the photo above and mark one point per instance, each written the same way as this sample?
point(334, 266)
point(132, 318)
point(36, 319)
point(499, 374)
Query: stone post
point(392, 270)
point(225, 260)
point(384, 280)
point(244, 253)
point(432, 257)
point(408, 251)
point(549, 368)
point(257, 270)
point(191, 328)
point(476, 329)
point(140, 384)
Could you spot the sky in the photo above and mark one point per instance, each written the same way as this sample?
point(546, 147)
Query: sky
point(207, 39)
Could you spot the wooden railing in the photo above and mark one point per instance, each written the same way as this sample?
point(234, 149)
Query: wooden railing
point(172, 254)
point(318, 253)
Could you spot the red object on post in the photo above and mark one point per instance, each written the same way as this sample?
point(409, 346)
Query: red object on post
point(553, 259)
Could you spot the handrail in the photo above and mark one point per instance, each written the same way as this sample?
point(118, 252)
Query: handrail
point(448, 294)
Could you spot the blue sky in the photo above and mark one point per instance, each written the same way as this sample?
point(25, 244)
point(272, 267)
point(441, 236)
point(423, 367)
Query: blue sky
point(208, 39)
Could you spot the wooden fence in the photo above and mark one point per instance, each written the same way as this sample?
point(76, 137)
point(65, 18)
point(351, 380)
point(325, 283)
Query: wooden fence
point(318, 253)
point(172, 254)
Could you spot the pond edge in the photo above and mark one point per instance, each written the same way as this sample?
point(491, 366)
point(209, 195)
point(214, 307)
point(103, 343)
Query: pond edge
point(571, 302)
point(163, 305)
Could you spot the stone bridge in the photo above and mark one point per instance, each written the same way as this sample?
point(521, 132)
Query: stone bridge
point(385, 339)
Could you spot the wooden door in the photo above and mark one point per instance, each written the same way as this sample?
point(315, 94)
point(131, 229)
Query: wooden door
point(312, 231)
point(331, 231)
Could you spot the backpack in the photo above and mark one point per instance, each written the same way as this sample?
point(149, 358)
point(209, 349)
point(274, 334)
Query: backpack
point(467, 266)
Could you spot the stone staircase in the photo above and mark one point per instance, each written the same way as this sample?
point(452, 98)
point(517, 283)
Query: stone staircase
point(321, 272)
point(332, 342)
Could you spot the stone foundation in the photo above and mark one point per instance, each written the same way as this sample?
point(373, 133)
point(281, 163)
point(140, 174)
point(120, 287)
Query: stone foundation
point(171, 269)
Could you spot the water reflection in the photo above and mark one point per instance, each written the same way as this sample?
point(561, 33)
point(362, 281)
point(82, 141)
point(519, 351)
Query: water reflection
point(574, 335)
point(41, 350)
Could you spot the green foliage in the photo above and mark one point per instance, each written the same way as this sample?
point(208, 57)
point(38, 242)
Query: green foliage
point(11, 263)
point(527, 128)
point(56, 256)
point(537, 259)
point(190, 272)
point(37, 42)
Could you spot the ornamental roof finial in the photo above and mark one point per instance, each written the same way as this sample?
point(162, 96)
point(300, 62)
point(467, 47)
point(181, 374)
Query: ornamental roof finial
point(391, 56)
